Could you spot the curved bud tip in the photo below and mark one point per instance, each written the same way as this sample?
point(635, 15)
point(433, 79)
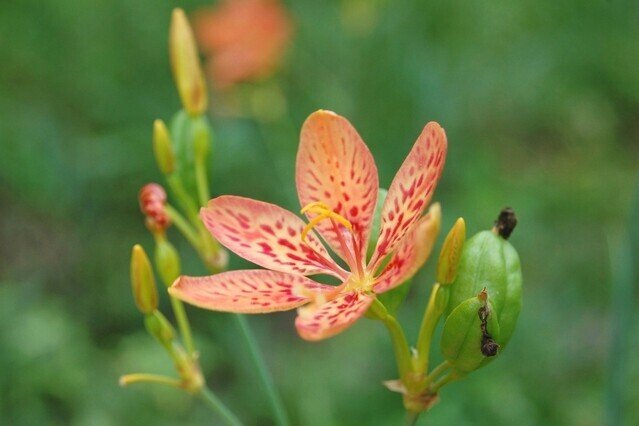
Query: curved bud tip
point(164, 155)
point(145, 292)
point(451, 253)
point(185, 64)
point(505, 223)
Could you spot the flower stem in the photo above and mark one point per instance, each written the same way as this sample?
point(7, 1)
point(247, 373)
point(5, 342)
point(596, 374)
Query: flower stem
point(411, 417)
point(218, 406)
point(183, 226)
point(431, 316)
point(437, 371)
point(202, 182)
point(265, 376)
point(450, 377)
point(130, 379)
point(183, 324)
point(400, 344)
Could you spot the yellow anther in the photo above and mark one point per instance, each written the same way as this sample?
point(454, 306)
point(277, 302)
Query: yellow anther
point(323, 212)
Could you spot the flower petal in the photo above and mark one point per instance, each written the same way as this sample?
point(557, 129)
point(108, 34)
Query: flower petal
point(248, 292)
point(412, 188)
point(267, 235)
point(334, 166)
point(413, 251)
point(330, 318)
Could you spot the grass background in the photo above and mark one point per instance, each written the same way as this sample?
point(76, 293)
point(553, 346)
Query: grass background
point(540, 101)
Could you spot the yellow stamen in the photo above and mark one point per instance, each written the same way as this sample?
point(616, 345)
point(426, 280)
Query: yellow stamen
point(323, 212)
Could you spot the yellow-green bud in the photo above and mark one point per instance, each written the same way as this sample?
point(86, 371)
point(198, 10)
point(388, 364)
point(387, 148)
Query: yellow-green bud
point(185, 64)
point(145, 292)
point(167, 260)
point(451, 253)
point(159, 327)
point(162, 148)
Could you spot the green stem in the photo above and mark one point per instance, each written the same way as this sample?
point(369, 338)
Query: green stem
point(183, 226)
point(429, 321)
point(448, 378)
point(183, 324)
point(202, 182)
point(400, 344)
point(130, 379)
point(411, 417)
point(218, 406)
point(184, 199)
point(437, 371)
point(265, 376)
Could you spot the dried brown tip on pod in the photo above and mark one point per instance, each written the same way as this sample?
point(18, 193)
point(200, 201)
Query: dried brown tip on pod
point(506, 222)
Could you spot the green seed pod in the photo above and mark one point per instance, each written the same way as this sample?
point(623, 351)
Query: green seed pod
point(489, 261)
point(377, 221)
point(470, 334)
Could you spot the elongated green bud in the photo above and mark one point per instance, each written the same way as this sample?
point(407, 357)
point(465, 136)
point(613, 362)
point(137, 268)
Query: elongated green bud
point(377, 220)
point(201, 131)
point(167, 260)
point(145, 292)
point(451, 253)
point(159, 327)
point(162, 148)
point(185, 65)
point(469, 334)
point(489, 261)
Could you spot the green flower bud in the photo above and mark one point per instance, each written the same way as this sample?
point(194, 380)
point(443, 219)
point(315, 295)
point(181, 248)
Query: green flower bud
point(489, 261)
point(185, 64)
point(159, 327)
point(167, 260)
point(164, 155)
point(470, 333)
point(145, 292)
point(201, 133)
point(451, 253)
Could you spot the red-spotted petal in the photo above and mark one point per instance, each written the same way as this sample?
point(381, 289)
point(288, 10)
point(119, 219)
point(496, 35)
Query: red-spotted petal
point(248, 292)
point(412, 188)
point(413, 251)
point(267, 235)
point(334, 166)
point(326, 320)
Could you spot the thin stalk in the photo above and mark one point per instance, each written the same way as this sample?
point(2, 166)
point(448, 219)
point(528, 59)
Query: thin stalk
point(130, 379)
point(429, 321)
point(438, 371)
point(183, 324)
point(218, 406)
point(400, 344)
point(202, 182)
point(448, 378)
point(262, 371)
point(411, 417)
point(184, 199)
point(183, 226)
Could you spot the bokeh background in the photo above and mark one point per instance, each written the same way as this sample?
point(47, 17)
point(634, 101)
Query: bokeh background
point(540, 101)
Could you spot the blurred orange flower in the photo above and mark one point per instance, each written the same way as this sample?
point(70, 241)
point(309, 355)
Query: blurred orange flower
point(244, 40)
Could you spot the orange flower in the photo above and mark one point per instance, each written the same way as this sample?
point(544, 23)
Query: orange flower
point(337, 183)
point(244, 39)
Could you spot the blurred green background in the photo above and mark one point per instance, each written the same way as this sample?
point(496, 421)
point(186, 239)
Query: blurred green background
point(540, 101)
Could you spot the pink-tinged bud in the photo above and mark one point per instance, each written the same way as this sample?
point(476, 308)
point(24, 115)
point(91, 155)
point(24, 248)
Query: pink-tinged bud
point(152, 199)
point(185, 64)
point(145, 292)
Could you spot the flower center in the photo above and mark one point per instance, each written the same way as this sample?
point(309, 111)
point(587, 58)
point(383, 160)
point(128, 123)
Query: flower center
point(323, 212)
